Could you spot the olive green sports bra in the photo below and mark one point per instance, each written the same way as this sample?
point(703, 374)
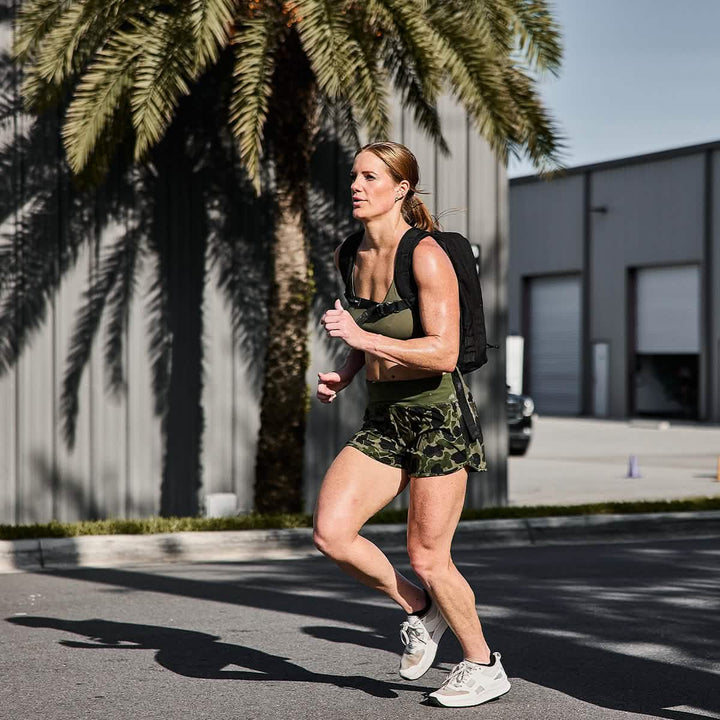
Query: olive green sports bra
point(401, 325)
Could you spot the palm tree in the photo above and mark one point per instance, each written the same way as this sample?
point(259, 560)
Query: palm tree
point(121, 70)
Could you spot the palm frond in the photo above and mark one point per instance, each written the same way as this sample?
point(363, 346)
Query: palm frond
point(79, 33)
point(252, 85)
point(538, 33)
point(535, 131)
point(413, 39)
point(497, 15)
point(368, 94)
point(34, 20)
point(411, 52)
point(58, 48)
point(323, 29)
point(345, 60)
point(98, 96)
point(475, 77)
point(163, 72)
point(211, 23)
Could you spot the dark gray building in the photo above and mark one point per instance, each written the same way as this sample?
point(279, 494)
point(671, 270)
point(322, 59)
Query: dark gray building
point(614, 282)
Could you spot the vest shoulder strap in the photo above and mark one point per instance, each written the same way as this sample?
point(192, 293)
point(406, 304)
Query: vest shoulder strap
point(346, 261)
point(404, 278)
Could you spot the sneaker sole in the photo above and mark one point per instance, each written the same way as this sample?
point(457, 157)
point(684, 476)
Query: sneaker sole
point(422, 667)
point(460, 701)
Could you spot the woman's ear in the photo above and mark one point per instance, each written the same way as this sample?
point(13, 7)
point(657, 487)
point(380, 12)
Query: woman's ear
point(402, 189)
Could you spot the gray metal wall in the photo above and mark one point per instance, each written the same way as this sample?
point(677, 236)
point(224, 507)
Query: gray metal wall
point(607, 219)
point(546, 230)
point(115, 466)
point(654, 217)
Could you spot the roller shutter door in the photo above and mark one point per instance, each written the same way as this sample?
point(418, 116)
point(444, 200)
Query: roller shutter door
point(554, 361)
point(668, 310)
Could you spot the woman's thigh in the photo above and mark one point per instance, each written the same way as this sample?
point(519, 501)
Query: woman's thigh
point(355, 487)
point(434, 511)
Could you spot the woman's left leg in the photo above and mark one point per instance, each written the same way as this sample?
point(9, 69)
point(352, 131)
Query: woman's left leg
point(433, 514)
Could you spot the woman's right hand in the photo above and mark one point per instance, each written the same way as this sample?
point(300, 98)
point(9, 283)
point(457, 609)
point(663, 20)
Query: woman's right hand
point(329, 385)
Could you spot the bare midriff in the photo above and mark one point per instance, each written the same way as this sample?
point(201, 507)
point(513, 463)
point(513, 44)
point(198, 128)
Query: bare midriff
point(378, 370)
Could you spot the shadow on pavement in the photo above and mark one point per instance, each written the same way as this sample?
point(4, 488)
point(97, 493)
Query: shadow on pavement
point(199, 655)
point(628, 627)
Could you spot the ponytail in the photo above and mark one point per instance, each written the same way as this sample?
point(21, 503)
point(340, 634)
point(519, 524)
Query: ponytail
point(415, 213)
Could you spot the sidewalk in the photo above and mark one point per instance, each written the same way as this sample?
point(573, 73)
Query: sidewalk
point(582, 460)
point(570, 461)
point(131, 550)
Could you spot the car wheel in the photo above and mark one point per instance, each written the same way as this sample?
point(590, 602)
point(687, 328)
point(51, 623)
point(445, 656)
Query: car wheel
point(519, 449)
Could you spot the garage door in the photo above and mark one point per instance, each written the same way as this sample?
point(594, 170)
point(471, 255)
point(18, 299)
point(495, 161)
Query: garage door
point(554, 344)
point(668, 310)
point(666, 371)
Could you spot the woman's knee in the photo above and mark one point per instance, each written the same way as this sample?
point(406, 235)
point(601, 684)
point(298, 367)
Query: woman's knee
point(428, 564)
point(331, 542)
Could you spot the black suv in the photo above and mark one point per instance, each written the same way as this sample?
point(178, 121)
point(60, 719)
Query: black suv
point(520, 409)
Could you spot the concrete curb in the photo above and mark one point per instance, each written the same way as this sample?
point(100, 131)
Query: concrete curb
point(244, 545)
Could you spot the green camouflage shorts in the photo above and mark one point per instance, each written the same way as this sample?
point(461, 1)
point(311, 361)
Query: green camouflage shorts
point(424, 439)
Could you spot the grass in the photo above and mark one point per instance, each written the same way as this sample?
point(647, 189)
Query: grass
point(262, 522)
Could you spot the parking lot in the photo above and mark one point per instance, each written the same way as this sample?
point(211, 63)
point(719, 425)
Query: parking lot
point(579, 460)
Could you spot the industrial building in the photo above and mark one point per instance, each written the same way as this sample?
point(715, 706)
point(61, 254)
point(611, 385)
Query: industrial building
point(614, 284)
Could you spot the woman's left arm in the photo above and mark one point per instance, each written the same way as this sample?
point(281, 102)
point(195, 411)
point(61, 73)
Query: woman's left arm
point(439, 308)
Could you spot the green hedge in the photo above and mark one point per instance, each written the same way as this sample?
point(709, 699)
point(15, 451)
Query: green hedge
point(261, 522)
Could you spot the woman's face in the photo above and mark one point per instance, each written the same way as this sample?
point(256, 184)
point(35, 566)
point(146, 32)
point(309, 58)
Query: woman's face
point(373, 188)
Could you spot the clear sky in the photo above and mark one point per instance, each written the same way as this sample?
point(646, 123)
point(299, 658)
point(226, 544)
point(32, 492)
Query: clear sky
point(637, 76)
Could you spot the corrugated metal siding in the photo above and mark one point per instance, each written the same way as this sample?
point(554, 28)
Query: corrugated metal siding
point(116, 465)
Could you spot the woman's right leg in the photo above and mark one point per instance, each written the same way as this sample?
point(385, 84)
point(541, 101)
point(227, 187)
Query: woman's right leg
point(354, 489)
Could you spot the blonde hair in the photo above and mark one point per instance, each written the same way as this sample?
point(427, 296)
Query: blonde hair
point(403, 165)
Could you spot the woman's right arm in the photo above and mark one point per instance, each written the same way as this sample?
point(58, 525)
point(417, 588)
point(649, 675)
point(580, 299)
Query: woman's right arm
point(331, 383)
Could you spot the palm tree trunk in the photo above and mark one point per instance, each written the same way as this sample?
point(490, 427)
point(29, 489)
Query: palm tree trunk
point(291, 133)
point(283, 408)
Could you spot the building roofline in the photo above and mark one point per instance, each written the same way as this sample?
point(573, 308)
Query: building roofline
point(620, 162)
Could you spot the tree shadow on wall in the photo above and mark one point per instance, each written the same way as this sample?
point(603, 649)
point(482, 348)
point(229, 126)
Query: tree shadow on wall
point(187, 214)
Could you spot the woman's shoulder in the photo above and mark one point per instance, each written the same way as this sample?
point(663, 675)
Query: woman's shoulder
point(430, 261)
point(428, 251)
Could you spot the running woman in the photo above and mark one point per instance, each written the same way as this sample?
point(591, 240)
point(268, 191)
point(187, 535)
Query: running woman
point(412, 433)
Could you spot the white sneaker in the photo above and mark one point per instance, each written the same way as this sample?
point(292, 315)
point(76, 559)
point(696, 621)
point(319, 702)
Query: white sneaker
point(421, 637)
point(471, 684)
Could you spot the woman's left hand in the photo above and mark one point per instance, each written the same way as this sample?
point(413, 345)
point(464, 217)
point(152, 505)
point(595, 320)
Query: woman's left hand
point(339, 323)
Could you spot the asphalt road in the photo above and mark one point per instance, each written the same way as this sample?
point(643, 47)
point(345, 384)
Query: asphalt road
point(625, 630)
